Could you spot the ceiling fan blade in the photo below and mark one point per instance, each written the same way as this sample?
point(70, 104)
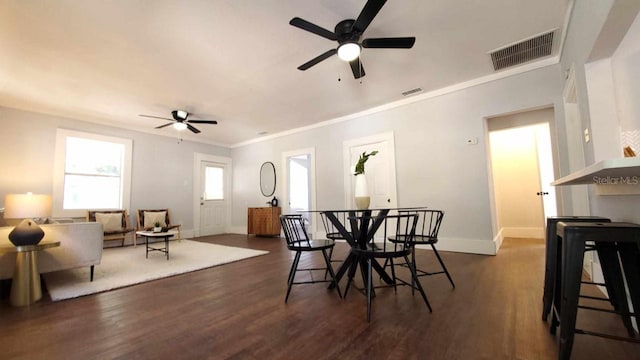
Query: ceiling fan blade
point(317, 59)
point(161, 126)
point(313, 28)
point(202, 122)
point(155, 117)
point(370, 10)
point(193, 130)
point(389, 43)
point(356, 68)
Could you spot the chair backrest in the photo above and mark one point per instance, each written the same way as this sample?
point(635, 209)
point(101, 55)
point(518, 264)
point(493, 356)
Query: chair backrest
point(330, 229)
point(294, 230)
point(429, 222)
point(146, 218)
point(112, 220)
point(402, 226)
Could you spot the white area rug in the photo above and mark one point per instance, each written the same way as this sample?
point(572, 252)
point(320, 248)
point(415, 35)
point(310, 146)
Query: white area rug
point(127, 266)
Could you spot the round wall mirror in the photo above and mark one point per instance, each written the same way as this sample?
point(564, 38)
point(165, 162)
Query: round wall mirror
point(268, 178)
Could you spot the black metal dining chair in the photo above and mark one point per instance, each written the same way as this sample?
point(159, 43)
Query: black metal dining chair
point(299, 241)
point(403, 226)
point(332, 233)
point(427, 229)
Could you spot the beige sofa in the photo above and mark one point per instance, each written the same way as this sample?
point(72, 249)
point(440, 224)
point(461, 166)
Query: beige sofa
point(80, 245)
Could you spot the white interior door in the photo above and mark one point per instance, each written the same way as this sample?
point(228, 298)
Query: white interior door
point(212, 191)
point(213, 198)
point(545, 168)
point(380, 170)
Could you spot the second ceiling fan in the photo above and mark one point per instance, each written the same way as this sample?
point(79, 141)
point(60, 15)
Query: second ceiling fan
point(347, 33)
point(180, 121)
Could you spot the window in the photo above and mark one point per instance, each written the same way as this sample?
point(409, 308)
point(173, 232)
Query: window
point(213, 183)
point(91, 172)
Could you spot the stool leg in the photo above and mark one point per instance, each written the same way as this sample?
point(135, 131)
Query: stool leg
point(551, 259)
point(630, 257)
point(572, 257)
point(608, 255)
point(556, 298)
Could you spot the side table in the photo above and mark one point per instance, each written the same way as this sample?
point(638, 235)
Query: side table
point(25, 287)
point(150, 234)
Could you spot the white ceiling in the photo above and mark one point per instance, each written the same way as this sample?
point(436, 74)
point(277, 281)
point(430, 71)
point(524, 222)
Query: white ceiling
point(235, 60)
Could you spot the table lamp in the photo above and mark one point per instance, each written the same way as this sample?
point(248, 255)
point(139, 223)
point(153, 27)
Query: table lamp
point(26, 206)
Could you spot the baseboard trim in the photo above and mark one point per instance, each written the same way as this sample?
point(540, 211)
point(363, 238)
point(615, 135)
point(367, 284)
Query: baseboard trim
point(498, 240)
point(237, 230)
point(469, 246)
point(523, 232)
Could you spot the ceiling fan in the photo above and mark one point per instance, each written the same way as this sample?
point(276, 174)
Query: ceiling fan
point(347, 33)
point(180, 121)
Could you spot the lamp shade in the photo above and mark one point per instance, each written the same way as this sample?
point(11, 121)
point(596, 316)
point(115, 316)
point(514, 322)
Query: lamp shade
point(27, 206)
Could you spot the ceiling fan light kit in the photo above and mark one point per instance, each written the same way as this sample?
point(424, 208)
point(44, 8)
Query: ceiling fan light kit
point(181, 114)
point(349, 51)
point(347, 33)
point(179, 126)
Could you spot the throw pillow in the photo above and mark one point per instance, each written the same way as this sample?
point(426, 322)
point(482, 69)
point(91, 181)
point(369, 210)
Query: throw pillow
point(111, 222)
point(150, 218)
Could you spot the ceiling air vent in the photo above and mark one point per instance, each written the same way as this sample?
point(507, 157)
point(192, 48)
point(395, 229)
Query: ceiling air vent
point(523, 51)
point(412, 92)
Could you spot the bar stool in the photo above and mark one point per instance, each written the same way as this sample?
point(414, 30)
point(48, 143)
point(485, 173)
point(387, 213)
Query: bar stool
point(620, 245)
point(552, 265)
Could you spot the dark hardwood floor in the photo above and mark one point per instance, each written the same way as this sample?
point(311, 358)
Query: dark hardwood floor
point(237, 311)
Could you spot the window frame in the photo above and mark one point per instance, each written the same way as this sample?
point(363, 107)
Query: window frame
point(59, 171)
point(223, 198)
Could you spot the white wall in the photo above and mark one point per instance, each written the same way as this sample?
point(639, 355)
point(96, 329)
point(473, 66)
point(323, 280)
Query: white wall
point(591, 19)
point(625, 65)
point(162, 174)
point(434, 165)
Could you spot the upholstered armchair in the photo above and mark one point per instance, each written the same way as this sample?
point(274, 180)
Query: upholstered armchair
point(115, 223)
point(147, 219)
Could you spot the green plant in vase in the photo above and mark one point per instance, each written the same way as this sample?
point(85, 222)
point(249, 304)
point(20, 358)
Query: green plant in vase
point(359, 170)
point(361, 193)
point(157, 227)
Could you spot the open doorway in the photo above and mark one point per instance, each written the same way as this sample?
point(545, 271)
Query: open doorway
point(522, 170)
point(299, 192)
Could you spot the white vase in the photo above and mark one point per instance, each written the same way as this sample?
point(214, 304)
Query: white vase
point(361, 193)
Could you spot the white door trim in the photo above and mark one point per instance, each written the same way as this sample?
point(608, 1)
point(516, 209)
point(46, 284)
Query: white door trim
point(346, 159)
point(197, 159)
point(312, 174)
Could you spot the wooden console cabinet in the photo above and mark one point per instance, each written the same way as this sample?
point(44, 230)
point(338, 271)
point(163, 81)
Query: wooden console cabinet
point(263, 221)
